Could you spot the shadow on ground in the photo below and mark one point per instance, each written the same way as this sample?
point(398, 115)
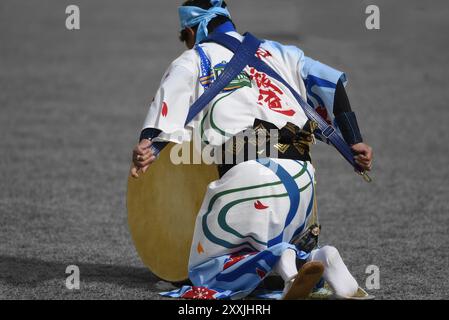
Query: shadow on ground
point(30, 272)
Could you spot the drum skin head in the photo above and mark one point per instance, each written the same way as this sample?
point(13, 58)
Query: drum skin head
point(162, 207)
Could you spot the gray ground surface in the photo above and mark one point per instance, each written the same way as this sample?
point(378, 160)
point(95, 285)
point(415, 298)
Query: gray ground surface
point(72, 104)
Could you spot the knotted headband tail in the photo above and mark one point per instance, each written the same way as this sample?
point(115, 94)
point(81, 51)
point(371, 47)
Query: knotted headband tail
point(191, 16)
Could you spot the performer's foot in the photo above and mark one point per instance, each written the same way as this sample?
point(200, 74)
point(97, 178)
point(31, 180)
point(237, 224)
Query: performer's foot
point(336, 273)
point(360, 295)
point(301, 285)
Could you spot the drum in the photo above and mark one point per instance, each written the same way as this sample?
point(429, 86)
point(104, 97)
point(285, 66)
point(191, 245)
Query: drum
point(162, 207)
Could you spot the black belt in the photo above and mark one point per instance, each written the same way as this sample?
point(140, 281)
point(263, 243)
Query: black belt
point(289, 142)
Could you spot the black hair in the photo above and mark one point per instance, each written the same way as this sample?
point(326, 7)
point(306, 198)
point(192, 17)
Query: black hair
point(214, 23)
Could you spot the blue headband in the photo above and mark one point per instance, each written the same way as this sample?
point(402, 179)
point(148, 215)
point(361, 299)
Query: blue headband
point(191, 16)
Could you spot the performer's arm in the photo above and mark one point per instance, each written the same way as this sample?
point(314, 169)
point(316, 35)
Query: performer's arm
point(326, 91)
point(167, 113)
point(142, 155)
point(345, 117)
point(347, 122)
point(142, 158)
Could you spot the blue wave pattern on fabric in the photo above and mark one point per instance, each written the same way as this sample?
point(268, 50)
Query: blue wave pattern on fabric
point(237, 281)
point(308, 212)
point(293, 193)
point(321, 82)
point(215, 280)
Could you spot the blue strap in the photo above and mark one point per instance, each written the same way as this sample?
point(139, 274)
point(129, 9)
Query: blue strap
point(326, 130)
point(244, 52)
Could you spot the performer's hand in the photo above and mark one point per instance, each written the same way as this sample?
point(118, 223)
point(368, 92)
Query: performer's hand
point(364, 155)
point(142, 158)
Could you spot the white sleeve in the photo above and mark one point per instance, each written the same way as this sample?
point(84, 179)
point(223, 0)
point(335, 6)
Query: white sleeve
point(294, 59)
point(169, 109)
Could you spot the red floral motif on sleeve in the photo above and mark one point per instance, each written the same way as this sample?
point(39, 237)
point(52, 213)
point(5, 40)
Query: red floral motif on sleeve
point(269, 93)
point(164, 111)
point(200, 293)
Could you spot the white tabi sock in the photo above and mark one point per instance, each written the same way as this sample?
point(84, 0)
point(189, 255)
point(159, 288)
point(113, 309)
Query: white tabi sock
point(286, 267)
point(335, 271)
